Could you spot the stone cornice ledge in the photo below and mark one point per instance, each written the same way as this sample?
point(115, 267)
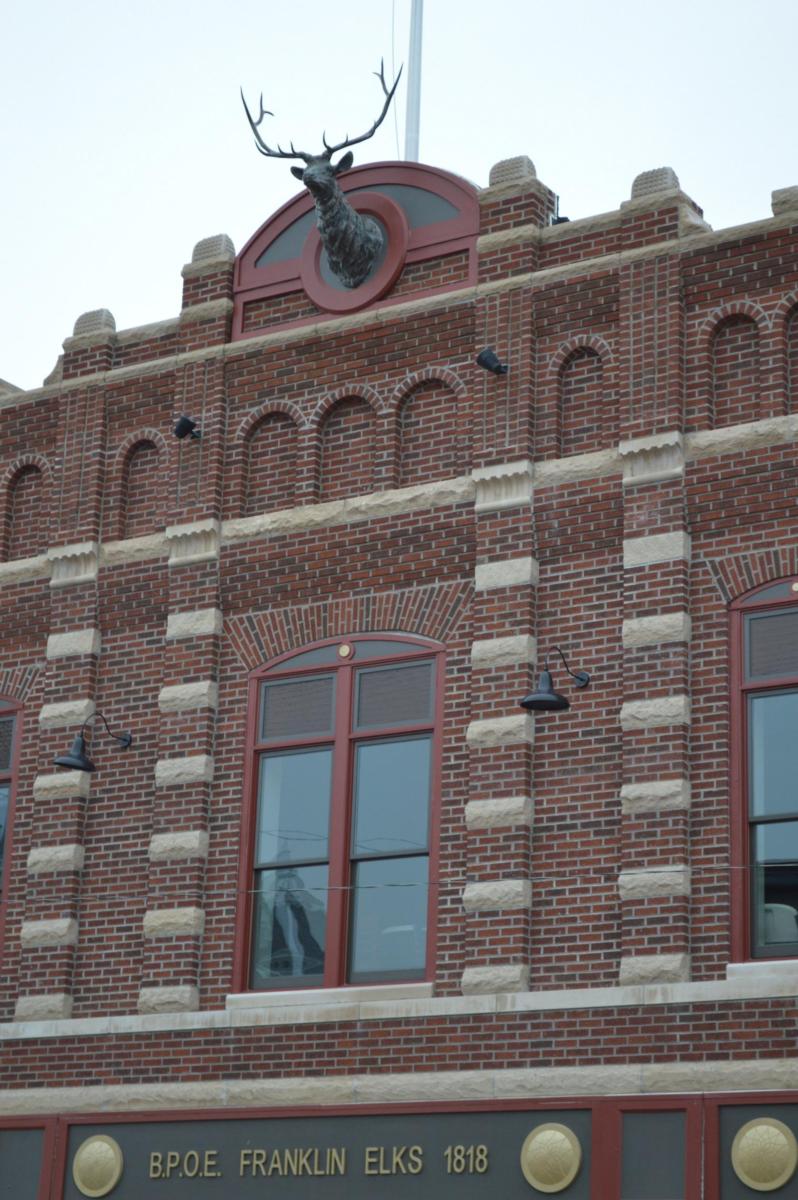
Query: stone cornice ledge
point(318, 1010)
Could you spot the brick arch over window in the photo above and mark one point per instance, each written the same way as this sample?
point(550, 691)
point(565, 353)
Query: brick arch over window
point(25, 488)
point(138, 491)
point(586, 413)
point(432, 432)
point(347, 443)
point(270, 463)
point(724, 382)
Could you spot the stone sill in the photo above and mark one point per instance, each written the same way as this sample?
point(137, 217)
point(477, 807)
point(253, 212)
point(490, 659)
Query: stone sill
point(322, 997)
point(764, 971)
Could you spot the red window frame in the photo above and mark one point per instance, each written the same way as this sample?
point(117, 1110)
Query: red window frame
point(756, 601)
point(9, 708)
point(344, 735)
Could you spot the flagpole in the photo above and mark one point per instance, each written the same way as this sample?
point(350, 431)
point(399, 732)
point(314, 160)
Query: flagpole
point(413, 117)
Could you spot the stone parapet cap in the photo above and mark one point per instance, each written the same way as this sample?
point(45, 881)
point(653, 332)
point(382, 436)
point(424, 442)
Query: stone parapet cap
point(146, 333)
point(210, 254)
point(206, 310)
point(784, 200)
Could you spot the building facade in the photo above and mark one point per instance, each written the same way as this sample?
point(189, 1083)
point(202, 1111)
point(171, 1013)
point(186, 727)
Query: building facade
point(345, 918)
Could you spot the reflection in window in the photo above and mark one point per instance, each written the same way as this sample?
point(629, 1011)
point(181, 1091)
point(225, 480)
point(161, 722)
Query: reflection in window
point(342, 835)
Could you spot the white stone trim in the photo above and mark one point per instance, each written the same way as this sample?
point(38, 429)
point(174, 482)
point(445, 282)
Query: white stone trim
point(654, 968)
point(655, 548)
point(652, 459)
point(504, 977)
point(137, 549)
point(324, 998)
point(61, 785)
point(497, 895)
point(506, 485)
point(22, 570)
point(74, 644)
point(504, 651)
point(53, 860)
point(735, 439)
point(655, 795)
point(392, 502)
point(507, 572)
point(501, 731)
point(765, 971)
point(644, 883)
point(176, 999)
point(174, 922)
point(676, 1077)
point(195, 542)
point(597, 464)
point(184, 697)
point(182, 844)
point(652, 714)
point(495, 813)
point(65, 712)
point(654, 630)
point(192, 768)
point(73, 564)
point(57, 931)
point(202, 622)
point(51, 1006)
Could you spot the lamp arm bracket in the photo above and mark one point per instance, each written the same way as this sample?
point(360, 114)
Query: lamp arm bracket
point(581, 678)
point(125, 739)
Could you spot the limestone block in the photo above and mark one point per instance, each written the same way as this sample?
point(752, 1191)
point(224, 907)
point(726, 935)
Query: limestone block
point(501, 731)
point(183, 697)
point(659, 628)
point(174, 922)
point(52, 860)
point(51, 1006)
point(503, 651)
point(60, 931)
point(98, 321)
point(654, 968)
point(506, 977)
point(67, 712)
point(180, 998)
point(657, 547)
point(494, 813)
point(214, 249)
point(195, 542)
point(74, 644)
point(651, 459)
point(506, 485)
point(784, 200)
point(661, 179)
point(193, 768)
point(512, 170)
point(202, 622)
point(182, 844)
point(508, 572)
point(651, 714)
point(74, 564)
point(497, 895)
point(61, 785)
point(645, 882)
point(655, 795)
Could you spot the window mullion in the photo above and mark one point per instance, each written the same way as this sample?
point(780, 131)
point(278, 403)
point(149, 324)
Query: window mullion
point(340, 806)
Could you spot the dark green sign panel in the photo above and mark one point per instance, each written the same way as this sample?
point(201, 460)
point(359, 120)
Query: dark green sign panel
point(440, 1155)
point(20, 1162)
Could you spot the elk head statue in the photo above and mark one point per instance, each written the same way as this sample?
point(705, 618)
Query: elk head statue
point(353, 242)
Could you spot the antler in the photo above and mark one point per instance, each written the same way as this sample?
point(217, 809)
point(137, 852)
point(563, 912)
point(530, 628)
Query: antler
point(330, 150)
point(261, 146)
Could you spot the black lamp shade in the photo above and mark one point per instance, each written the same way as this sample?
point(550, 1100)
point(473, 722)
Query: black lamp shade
point(77, 759)
point(545, 699)
point(488, 359)
point(185, 427)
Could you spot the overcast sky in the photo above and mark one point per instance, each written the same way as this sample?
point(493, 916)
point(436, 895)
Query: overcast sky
point(123, 141)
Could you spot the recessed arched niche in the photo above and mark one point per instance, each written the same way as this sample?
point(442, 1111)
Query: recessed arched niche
point(429, 219)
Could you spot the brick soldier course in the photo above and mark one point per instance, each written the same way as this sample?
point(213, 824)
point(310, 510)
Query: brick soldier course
point(621, 492)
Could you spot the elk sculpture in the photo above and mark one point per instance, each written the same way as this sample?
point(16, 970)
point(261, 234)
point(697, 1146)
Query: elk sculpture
point(353, 242)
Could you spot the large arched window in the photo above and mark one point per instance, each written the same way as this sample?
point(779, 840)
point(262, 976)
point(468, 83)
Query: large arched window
point(340, 828)
point(765, 772)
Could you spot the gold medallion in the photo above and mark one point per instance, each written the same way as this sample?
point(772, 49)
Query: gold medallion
point(764, 1154)
point(551, 1157)
point(97, 1165)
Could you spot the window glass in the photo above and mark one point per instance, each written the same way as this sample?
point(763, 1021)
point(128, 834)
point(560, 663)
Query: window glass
point(298, 708)
point(294, 806)
point(391, 797)
point(773, 645)
point(775, 861)
point(289, 927)
point(389, 913)
point(4, 794)
point(773, 742)
point(394, 695)
point(6, 740)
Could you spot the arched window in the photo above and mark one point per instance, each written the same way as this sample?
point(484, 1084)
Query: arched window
point(765, 770)
point(8, 738)
point(341, 814)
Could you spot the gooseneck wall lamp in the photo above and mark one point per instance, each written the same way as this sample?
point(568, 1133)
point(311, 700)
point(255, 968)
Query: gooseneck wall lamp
point(489, 360)
point(77, 759)
point(545, 699)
